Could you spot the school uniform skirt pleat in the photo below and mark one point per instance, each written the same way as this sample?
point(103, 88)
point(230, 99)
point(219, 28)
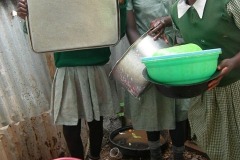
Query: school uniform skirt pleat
point(82, 92)
point(153, 111)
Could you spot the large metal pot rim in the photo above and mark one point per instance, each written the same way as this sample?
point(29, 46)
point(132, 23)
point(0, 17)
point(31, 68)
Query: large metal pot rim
point(132, 46)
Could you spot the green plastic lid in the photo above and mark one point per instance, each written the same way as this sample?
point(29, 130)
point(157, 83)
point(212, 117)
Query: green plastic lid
point(177, 49)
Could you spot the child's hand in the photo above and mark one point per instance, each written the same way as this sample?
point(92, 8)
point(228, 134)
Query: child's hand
point(121, 1)
point(22, 10)
point(225, 67)
point(158, 26)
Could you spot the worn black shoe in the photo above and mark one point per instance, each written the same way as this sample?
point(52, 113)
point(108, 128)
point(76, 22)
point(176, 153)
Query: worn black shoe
point(178, 153)
point(156, 154)
point(89, 157)
point(178, 156)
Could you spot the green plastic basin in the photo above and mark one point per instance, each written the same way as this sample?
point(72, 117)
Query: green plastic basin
point(181, 69)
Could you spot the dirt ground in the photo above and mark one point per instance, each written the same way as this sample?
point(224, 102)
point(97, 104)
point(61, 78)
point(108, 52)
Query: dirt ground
point(111, 124)
point(167, 155)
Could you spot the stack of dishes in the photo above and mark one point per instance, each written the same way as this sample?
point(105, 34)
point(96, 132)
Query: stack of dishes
point(182, 66)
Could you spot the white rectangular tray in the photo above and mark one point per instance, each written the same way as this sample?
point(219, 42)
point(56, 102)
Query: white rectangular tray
point(59, 25)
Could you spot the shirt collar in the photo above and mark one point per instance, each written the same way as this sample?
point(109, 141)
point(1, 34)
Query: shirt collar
point(183, 7)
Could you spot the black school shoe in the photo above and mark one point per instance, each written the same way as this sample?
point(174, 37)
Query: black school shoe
point(89, 157)
point(156, 154)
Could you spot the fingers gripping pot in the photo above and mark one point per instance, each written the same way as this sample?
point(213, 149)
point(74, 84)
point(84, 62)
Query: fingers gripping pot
point(128, 69)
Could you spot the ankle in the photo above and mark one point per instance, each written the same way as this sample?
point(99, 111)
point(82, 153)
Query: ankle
point(178, 152)
point(89, 157)
point(155, 150)
point(178, 149)
point(154, 144)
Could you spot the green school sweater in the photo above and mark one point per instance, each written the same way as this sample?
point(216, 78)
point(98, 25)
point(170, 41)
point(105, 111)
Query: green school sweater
point(215, 30)
point(89, 57)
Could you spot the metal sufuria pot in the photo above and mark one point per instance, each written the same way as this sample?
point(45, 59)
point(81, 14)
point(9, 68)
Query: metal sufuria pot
point(128, 69)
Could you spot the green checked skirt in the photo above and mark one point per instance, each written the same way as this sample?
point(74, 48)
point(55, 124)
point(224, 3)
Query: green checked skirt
point(215, 120)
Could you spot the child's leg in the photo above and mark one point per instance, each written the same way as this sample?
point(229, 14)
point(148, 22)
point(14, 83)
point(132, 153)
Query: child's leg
point(178, 137)
point(73, 139)
point(154, 145)
point(96, 136)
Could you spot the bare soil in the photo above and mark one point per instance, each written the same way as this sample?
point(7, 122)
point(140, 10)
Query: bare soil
point(189, 154)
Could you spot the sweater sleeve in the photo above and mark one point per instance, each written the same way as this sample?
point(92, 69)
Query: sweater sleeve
point(233, 9)
point(129, 5)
